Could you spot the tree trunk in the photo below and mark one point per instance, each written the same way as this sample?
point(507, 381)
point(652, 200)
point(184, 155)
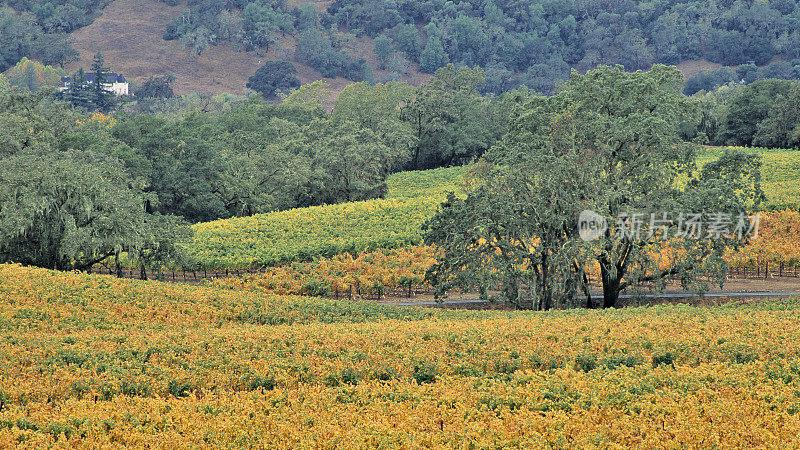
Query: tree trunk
point(610, 287)
point(587, 291)
point(142, 272)
point(547, 293)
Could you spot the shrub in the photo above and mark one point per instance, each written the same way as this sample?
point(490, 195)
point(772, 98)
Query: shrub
point(664, 359)
point(585, 363)
point(425, 373)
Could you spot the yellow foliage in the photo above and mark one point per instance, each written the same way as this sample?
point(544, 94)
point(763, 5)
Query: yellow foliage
point(91, 361)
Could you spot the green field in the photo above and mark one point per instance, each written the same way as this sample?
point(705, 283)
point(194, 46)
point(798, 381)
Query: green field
point(780, 174)
point(306, 233)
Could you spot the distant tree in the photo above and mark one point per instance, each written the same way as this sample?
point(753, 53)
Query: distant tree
point(198, 39)
point(747, 72)
point(262, 173)
point(79, 93)
point(376, 107)
point(747, 108)
point(352, 162)
point(274, 76)
point(709, 80)
point(33, 75)
point(452, 121)
point(312, 95)
point(307, 16)
point(315, 49)
point(498, 80)
point(358, 70)
point(66, 18)
point(230, 26)
point(52, 49)
point(159, 247)
point(383, 49)
point(781, 127)
point(433, 56)
point(467, 40)
point(156, 87)
point(398, 63)
point(406, 40)
point(781, 70)
point(15, 38)
point(101, 97)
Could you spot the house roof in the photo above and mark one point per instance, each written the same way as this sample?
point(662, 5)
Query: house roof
point(90, 77)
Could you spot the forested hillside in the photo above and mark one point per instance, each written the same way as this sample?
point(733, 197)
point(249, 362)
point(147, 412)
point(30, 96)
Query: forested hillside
point(530, 43)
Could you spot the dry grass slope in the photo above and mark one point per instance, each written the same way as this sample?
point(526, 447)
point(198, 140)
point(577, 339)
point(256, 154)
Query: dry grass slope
point(129, 35)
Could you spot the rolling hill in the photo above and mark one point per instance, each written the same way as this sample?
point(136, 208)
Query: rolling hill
point(129, 34)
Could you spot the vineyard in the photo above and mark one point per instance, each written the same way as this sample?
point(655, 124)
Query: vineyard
point(325, 231)
point(371, 249)
point(306, 233)
point(96, 361)
point(780, 174)
point(399, 272)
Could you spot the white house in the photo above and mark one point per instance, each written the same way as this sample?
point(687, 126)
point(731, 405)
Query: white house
point(115, 82)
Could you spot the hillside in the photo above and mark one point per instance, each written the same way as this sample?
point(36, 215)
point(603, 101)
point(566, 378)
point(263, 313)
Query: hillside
point(129, 34)
point(327, 230)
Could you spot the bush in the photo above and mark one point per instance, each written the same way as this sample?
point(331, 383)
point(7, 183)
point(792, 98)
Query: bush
point(273, 77)
point(266, 383)
point(585, 363)
point(349, 376)
point(425, 373)
point(156, 87)
point(179, 388)
point(666, 359)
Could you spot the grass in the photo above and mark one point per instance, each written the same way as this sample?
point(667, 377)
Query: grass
point(129, 34)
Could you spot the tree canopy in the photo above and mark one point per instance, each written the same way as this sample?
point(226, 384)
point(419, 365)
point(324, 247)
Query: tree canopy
point(608, 142)
point(274, 77)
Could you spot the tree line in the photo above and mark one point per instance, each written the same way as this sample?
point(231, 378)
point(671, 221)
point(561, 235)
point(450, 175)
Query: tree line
point(763, 113)
point(79, 187)
point(517, 43)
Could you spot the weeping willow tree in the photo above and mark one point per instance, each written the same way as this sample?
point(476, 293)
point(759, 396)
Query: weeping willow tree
point(68, 210)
